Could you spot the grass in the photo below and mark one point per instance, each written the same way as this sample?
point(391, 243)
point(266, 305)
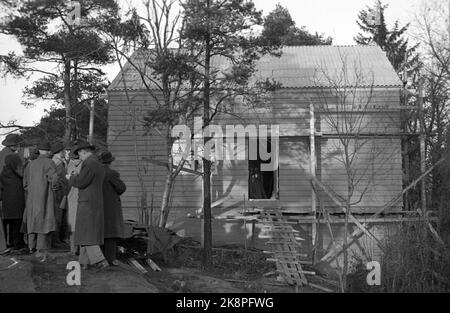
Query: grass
point(413, 262)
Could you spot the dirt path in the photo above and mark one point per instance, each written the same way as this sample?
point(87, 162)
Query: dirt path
point(29, 275)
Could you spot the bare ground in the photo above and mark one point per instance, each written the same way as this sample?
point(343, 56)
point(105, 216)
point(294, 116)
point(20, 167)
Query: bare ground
point(233, 271)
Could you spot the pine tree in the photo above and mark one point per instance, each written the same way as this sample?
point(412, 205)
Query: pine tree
point(75, 50)
point(375, 30)
point(223, 28)
point(280, 28)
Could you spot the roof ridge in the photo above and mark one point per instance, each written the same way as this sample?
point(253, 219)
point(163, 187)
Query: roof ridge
point(331, 46)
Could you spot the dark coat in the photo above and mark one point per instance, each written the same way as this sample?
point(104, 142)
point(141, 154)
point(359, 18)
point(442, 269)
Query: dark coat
point(13, 194)
point(113, 187)
point(5, 152)
point(89, 228)
point(39, 180)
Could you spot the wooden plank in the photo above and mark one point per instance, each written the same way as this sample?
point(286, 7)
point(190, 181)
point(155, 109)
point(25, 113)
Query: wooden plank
point(165, 164)
point(352, 218)
point(313, 168)
point(332, 255)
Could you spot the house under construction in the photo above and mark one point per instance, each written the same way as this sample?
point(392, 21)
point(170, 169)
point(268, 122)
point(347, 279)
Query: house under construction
point(337, 106)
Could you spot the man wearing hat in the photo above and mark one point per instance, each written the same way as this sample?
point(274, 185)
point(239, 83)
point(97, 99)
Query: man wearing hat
point(11, 143)
point(13, 199)
point(89, 227)
point(58, 151)
point(113, 188)
point(40, 179)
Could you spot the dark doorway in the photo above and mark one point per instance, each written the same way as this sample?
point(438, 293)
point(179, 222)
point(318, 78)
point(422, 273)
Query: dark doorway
point(262, 184)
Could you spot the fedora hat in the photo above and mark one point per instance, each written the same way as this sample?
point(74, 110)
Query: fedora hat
point(82, 145)
point(106, 157)
point(58, 147)
point(44, 145)
point(12, 140)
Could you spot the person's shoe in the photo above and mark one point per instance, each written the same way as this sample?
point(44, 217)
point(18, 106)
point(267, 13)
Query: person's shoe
point(5, 252)
point(114, 263)
point(101, 265)
point(19, 251)
point(39, 255)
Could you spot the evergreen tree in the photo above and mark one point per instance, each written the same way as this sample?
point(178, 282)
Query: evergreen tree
point(375, 30)
point(74, 50)
point(280, 28)
point(223, 28)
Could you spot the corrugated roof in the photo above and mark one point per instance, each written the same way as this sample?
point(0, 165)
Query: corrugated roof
point(303, 67)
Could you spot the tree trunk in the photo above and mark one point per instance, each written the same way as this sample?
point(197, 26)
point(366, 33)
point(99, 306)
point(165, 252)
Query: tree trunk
point(207, 216)
point(67, 103)
point(345, 265)
point(165, 200)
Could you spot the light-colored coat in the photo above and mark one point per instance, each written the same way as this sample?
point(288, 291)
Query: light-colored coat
point(89, 227)
point(73, 168)
point(40, 177)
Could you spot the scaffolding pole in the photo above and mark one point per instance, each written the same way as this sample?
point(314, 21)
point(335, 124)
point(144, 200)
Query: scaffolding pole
point(313, 168)
point(422, 148)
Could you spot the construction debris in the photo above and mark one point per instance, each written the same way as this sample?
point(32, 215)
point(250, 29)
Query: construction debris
point(153, 265)
point(137, 265)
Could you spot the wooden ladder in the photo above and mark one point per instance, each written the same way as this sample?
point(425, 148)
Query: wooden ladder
point(285, 247)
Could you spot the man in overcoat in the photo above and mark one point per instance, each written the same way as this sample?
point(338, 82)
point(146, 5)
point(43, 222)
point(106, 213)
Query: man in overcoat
point(40, 179)
point(58, 152)
point(73, 168)
point(89, 228)
point(11, 144)
point(13, 199)
point(113, 188)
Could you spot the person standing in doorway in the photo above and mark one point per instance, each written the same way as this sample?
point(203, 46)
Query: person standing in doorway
point(13, 199)
point(40, 179)
point(89, 227)
point(113, 188)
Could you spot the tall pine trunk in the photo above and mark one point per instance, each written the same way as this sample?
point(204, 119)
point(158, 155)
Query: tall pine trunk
point(207, 215)
point(67, 102)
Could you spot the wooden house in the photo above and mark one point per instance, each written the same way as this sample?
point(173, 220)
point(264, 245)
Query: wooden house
point(319, 86)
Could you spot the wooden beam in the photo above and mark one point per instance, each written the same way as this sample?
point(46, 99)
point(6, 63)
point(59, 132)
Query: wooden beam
point(342, 206)
point(423, 156)
point(358, 233)
point(432, 229)
point(166, 165)
point(313, 168)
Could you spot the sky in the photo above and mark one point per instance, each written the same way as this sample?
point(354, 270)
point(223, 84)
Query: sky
point(330, 17)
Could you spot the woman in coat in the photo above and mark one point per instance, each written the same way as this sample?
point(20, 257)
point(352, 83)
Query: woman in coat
point(73, 168)
point(89, 227)
point(13, 199)
point(40, 178)
point(113, 188)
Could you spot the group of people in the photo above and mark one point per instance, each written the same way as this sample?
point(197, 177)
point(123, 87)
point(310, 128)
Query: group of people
point(60, 194)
